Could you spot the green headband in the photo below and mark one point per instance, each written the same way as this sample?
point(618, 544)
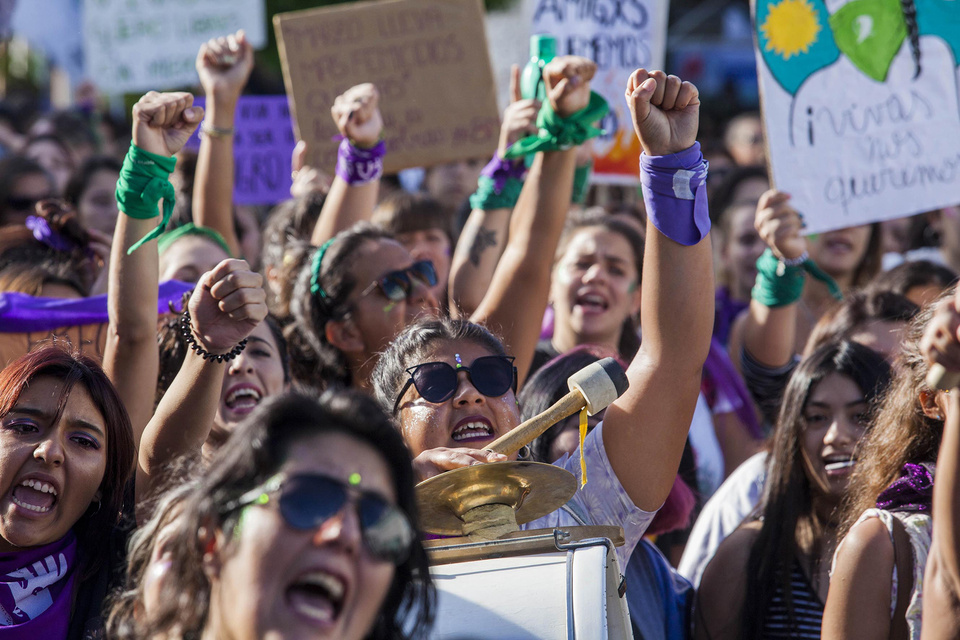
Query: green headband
point(190, 229)
point(315, 287)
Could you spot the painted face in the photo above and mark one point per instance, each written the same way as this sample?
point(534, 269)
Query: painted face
point(840, 252)
point(27, 191)
point(741, 250)
point(254, 375)
point(834, 420)
point(432, 245)
point(50, 468)
point(468, 419)
point(54, 159)
point(97, 206)
point(377, 318)
point(276, 581)
point(594, 286)
point(189, 258)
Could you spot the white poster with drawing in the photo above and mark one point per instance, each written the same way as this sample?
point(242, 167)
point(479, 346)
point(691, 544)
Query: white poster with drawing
point(861, 107)
point(139, 45)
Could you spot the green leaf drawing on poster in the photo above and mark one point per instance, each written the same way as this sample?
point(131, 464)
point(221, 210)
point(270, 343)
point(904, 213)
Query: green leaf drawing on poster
point(870, 32)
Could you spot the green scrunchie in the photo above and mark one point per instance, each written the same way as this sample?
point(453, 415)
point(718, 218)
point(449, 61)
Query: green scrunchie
point(486, 197)
point(167, 238)
point(581, 183)
point(144, 180)
point(779, 284)
point(558, 133)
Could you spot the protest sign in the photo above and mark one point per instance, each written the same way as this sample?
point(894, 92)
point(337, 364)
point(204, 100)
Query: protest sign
point(262, 145)
point(860, 106)
point(428, 59)
point(138, 45)
point(620, 36)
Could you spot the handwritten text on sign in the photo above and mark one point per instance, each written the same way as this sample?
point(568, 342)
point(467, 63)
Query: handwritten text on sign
point(138, 45)
point(620, 36)
point(428, 59)
point(262, 145)
point(862, 124)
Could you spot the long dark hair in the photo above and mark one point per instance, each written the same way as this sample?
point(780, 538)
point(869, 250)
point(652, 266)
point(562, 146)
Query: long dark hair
point(787, 503)
point(94, 525)
point(254, 453)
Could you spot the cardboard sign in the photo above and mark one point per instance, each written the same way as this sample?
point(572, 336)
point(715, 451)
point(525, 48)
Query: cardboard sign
point(428, 59)
point(620, 36)
point(860, 106)
point(262, 145)
point(139, 45)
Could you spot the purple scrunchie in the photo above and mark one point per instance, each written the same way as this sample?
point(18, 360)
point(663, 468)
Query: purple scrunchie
point(358, 166)
point(43, 233)
point(912, 491)
point(675, 193)
point(500, 170)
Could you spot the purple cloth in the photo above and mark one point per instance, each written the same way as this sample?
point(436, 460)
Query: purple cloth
point(36, 590)
point(500, 170)
point(726, 310)
point(912, 491)
point(20, 313)
point(359, 166)
point(720, 378)
point(675, 193)
point(43, 233)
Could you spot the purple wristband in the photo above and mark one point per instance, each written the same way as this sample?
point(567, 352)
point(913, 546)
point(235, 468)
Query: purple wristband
point(500, 170)
point(359, 166)
point(675, 193)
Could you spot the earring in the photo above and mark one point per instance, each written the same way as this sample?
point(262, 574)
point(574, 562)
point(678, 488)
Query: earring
point(524, 452)
point(97, 510)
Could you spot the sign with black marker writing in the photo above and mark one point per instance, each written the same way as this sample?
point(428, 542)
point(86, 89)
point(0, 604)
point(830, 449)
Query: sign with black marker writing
point(861, 106)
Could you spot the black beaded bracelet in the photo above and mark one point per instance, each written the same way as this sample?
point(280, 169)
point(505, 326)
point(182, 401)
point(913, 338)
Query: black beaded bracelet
point(187, 332)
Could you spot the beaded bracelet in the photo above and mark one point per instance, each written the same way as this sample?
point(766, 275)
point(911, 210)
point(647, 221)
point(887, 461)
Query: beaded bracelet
point(187, 333)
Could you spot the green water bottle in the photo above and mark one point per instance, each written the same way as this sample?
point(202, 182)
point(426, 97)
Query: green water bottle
point(543, 49)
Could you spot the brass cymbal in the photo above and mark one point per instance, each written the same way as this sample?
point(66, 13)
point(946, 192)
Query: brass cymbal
point(533, 489)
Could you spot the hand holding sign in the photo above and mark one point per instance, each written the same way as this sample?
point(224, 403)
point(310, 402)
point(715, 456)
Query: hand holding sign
point(665, 110)
point(228, 303)
point(163, 122)
point(357, 114)
point(779, 225)
point(568, 83)
point(224, 65)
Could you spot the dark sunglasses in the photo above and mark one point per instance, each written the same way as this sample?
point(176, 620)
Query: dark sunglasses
point(398, 285)
point(22, 204)
point(307, 501)
point(436, 382)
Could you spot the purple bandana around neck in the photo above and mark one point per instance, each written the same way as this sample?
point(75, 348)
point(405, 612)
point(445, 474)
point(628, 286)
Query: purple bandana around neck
point(36, 587)
point(912, 491)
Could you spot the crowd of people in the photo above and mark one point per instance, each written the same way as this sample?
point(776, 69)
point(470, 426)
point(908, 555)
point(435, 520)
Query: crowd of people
point(237, 457)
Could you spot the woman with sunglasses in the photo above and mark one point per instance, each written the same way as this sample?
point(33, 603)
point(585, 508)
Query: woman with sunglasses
point(452, 387)
point(360, 290)
point(304, 526)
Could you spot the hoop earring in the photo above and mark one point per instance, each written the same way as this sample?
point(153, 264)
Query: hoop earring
point(524, 452)
point(97, 510)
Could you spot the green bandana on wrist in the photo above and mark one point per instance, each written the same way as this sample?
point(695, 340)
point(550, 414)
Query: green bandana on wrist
point(144, 180)
point(780, 284)
point(581, 183)
point(486, 197)
point(557, 134)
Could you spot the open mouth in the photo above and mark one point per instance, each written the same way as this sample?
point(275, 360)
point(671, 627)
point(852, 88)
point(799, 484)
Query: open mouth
point(839, 245)
point(472, 430)
point(317, 596)
point(592, 303)
point(839, 463)
point(243, 398)
point(34, 495)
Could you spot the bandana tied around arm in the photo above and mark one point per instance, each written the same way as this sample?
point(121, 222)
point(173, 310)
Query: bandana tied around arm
point(499, 184)
point(557, 134)
point(779, 284)
point(675, 194)
point(144, 180)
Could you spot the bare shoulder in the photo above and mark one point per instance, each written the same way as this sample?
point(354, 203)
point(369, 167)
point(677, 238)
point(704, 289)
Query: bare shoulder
point(867, 543)
point(723, 586)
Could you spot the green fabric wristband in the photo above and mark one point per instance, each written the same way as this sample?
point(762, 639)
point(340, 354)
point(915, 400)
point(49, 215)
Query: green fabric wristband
point(144, 180)
point(581, 183)
point(487, 198)
point(778, 284)
point(558, 133)
point(190, 229)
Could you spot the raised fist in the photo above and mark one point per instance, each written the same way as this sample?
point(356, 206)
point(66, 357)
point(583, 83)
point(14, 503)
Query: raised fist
point(357, 114)
point(227, 305)
point(163, 122)
point(224, 65)
point(779, 225)
point(567, 80)
point(665, 110)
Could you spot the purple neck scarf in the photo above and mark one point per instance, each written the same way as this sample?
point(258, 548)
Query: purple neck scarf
point(912, 491)
point(36, 586)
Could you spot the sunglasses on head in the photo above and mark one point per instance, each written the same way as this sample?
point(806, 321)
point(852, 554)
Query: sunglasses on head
point(398, 285)
point(436, 382)
point(307, 501)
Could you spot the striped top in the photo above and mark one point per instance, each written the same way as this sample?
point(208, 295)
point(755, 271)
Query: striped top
point(807, 610)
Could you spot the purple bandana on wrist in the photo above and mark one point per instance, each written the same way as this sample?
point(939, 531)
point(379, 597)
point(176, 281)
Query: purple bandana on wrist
point(500, 170)
point(358, 166)
point(675, 193)
point(912, 491)
point(43, 233)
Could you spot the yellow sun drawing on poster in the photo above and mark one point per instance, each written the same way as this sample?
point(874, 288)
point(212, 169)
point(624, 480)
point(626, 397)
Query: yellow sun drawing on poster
point(790, 28)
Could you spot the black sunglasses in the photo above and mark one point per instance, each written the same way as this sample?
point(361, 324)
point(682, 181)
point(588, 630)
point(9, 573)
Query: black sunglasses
point(398, 285)
point(436, 382)
point(307, 501)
